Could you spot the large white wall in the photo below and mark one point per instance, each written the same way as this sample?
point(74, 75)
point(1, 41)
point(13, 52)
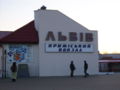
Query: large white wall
point(57, 64)
point(33, 64)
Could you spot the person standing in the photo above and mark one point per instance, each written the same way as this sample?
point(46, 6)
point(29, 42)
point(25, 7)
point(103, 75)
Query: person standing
point(14, 71)
point(72, 69)
point(85, 69)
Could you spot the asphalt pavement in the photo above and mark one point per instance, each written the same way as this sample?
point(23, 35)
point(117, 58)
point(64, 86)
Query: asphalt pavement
point(94, 82)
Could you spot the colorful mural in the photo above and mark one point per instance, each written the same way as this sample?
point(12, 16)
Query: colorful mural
point(18, 53)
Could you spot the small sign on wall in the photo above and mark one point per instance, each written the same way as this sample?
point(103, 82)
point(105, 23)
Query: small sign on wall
point(68, 48)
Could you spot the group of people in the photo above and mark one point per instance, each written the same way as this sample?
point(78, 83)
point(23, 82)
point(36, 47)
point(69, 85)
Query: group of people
point(72, 69)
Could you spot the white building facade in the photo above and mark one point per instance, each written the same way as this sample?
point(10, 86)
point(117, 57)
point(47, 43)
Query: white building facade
point(62, 40)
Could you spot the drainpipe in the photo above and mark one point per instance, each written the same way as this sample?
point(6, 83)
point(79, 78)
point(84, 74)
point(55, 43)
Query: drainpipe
point(4, 64)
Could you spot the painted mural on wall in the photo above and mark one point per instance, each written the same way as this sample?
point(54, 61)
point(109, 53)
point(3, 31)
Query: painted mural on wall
point(18, 53)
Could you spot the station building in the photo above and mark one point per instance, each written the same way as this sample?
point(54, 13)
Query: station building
point(47, 45)
point(109, 63)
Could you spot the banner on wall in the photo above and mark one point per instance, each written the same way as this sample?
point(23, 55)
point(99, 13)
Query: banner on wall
point(18, 53)
point(68, 48)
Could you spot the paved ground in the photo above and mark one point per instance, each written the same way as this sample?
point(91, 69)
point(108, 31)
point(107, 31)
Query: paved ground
point(101, 82)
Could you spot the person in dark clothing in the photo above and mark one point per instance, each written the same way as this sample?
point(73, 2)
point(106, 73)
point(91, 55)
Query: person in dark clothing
point(85, 69)
point(72, 69)
point(14, 71)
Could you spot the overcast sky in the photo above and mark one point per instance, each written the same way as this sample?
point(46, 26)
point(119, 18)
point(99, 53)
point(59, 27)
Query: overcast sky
point(100, 15)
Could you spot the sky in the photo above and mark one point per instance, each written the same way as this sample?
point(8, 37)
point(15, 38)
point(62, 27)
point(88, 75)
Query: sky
point(100, 15)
